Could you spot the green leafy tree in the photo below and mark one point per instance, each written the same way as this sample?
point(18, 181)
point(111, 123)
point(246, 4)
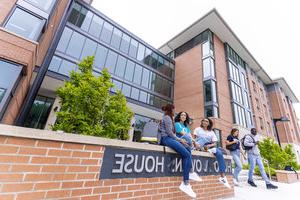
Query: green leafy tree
point(278, 158)
point(87, 107)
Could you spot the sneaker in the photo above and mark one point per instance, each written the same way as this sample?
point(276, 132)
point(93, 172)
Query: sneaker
point(252, 183)
point(271, 186)
point(194, 176)
point(224, 181)
point(235, 182)
point(187, 189)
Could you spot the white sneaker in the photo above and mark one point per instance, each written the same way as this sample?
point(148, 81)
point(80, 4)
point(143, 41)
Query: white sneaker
point(224, 181)
point(235, 182)
point(187, 189)
point(195, 177)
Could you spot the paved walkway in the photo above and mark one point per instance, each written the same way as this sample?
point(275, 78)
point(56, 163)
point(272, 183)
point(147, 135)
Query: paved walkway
point(284, 192)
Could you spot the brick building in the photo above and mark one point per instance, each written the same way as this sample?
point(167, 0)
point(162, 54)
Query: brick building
point(216, 76)
point(205, 70)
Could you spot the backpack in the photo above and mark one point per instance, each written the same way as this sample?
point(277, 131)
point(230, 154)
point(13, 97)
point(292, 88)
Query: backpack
point(151, 133)
point(243, 143)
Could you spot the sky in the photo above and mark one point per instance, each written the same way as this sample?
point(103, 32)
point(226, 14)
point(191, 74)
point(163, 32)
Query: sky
point(270, 29)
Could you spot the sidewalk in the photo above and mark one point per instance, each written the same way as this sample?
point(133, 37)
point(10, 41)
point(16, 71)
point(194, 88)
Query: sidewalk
point(284, 191)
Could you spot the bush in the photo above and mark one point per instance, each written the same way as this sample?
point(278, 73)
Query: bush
point(278, 158)
point(246, 166)
point(87, 107)
point(272, 171)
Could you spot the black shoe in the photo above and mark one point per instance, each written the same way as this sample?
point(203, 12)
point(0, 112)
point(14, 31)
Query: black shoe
point(271, 186)
point(252, 183)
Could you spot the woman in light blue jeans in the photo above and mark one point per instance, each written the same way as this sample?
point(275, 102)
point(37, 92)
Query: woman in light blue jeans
point(234, 146)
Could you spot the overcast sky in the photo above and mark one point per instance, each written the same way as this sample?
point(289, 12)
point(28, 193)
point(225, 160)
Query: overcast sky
point(269, 29)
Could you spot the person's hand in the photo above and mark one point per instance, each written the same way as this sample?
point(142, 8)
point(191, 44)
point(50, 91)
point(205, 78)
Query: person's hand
point(235, 140)
point(184, 142)
point(197, 146)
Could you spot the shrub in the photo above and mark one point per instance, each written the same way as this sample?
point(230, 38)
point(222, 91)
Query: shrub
point(87, 107)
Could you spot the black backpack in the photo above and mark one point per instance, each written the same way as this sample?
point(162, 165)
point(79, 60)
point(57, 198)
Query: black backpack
point(243, 143)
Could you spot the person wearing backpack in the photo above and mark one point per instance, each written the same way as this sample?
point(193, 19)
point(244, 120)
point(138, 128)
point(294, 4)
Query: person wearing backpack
point(180, 145)
point(250, 143)
point(233, 145)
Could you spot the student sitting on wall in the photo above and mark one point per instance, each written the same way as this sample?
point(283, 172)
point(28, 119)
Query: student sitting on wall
point(180, 145)
point(205, 140)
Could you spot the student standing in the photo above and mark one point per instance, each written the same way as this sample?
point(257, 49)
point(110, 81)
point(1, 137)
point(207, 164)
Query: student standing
point(234, 146)
point(251, 144)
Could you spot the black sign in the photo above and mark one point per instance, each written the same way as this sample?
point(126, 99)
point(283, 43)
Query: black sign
point(129, 163)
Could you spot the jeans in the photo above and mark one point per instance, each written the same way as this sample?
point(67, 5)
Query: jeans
point(188, 138)
point(238, 164)
point(220, 160)
point(253, 160)
point(182, 151)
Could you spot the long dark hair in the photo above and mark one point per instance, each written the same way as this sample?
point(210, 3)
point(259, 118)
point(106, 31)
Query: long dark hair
point(210, 125)
point(233, 131)
point(168, 109)
point(187, 120)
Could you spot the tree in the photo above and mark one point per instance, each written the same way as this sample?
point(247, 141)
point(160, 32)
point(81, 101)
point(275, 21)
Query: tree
point(87, 107)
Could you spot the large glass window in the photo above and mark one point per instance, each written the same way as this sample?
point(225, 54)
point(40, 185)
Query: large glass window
point(39, 112)
point(208, 68)
point(120, 67)
point(89, 48)
point(9, 75)
point(75, 45)
point(106, 32)
point(129, 70)
point(143, 96)
point(85, 19)
point(116, 38)
point(145, 79)
point(96, 26)
point(135, 93)
point(42, 4)
point(118, 86)
point(25, 24)
point(74, 13)
point(133, 48)
point(66, 67)
point(154, 60)
point(125, 43)
point(126, 89)
point(137, 74)
point(111, 61)
point(64, 40)
point(211, 111)
point(100, 56)
point(55, 64)
point(141, 52)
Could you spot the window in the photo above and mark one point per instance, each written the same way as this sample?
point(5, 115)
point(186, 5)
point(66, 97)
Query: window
point(116, 38)
point(75, 45)
point(88, 49)
point(74, 13)
point(106, 32)
point(100, 56)
point(120, 67)
point(137, 74)
point(9, 76)
point(25, 24)
point(85, 19)
point(166, 88)
point(118, 86)
point(129, 70)
point(141, 52)
point(211, 111)
point(134, 93)
point(210, 91)
point(133, 48)
point(55, 64)
point(64, 40)
point(125, 43)
point(126, 90)
point(145, 79)
point(43, 5)
point(153, 60)
point(39, 112)
point(96, 26)
point(208, 68)
point(243, 80)
point(66, 67)
point(147, 57)
point(111, 61)
point(143, 96)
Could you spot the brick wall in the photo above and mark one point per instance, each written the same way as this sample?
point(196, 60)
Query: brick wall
point(44, 169)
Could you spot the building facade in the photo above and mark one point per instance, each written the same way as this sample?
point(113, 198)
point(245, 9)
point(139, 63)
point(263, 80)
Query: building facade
point(205, 70)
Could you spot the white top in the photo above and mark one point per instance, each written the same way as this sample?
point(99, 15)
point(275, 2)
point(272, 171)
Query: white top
point(204, 136)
